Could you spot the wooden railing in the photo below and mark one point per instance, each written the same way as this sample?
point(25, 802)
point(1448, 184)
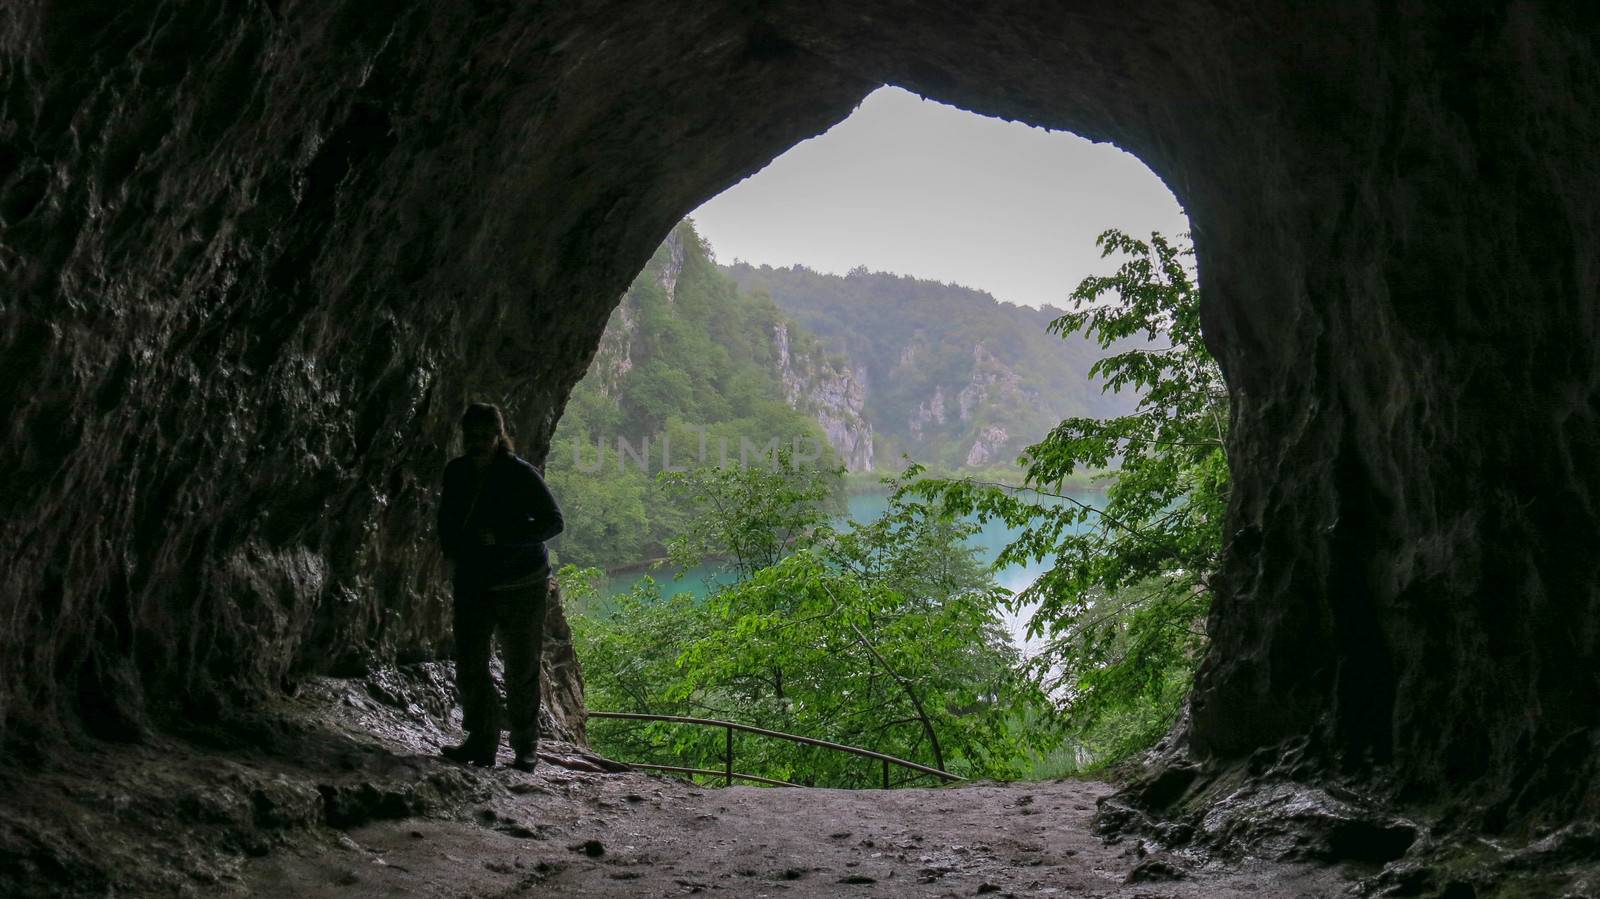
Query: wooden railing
point(729, 775)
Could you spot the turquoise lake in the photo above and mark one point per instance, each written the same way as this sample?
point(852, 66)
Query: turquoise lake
point(990, 539)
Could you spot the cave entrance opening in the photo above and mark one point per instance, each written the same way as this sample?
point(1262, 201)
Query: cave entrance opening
point(888, 288)
point(323, 222)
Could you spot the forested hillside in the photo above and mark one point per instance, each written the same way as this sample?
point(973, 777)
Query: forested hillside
point(705, 365)
point(690, 372)
point(952, 376)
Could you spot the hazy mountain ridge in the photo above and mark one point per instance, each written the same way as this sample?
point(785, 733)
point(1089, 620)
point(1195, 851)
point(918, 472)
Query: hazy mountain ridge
point(951, 376)
point(709, 364)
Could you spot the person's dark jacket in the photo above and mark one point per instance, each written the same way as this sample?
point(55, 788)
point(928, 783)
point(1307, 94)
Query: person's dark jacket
point(507, 498)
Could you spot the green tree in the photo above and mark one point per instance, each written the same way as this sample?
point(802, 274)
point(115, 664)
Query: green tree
point(750, 516)
point(630, 646)
point(607, 513)
point(885, 635)
point(1123, 606)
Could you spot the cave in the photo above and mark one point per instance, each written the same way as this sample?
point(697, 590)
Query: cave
point(257, 256)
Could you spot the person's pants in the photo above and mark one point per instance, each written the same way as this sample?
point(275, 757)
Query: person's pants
point(517, 611)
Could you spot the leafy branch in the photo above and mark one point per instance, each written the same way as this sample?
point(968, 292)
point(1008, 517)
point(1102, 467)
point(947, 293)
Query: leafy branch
point(1125, 599)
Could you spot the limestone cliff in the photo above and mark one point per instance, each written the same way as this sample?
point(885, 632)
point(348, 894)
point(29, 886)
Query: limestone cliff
point(820, 386)
point(988, 445)
point(992, 382)
point(832, 394)
point(928, 412)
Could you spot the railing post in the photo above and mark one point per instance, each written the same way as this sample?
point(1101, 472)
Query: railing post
point(730, 757)
point(886, 774)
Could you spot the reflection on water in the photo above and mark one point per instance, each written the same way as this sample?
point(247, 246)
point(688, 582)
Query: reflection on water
point(990, 539)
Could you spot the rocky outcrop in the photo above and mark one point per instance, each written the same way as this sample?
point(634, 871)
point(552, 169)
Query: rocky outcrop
point(400, 700)
point(614, 357)
point(562, 713)
point(908, 357)
point(672, 267)
point(928, 412)
point(991, 440)
point(834, 395)
point(256, 258)
point(991, 380)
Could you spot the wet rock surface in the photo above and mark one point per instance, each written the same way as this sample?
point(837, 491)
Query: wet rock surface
point(255, 261)
point(334, 793)
point(1173, 810)
point(392, 700)
point(339, 793)
point(632, 835)
point(180, 816)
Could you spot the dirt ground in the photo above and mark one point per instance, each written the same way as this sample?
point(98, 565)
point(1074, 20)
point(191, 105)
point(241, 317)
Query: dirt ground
point(562, 833)
point(341, 793)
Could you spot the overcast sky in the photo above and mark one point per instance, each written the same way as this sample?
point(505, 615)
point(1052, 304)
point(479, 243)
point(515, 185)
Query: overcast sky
point(911, 186)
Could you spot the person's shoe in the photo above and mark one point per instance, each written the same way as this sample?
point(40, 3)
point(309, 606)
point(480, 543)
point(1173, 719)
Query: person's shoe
point(526, 762)
point(470, 753)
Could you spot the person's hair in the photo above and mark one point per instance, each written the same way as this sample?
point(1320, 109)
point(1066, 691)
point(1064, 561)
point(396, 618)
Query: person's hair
point(488, 414)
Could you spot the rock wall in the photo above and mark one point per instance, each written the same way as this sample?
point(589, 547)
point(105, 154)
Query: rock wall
point(991, 440)
point(1397, 223)
point(256, 256)
point(990, 378)
point(928, 412)
point(562, 714)
point(834, 395)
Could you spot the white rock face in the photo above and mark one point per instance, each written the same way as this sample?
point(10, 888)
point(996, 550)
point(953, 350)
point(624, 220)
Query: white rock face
point(835, 397)
point(668, 278)
point(930, 412)
point(908, 356)
point(615, 354)
point(987, 447)
point(990, 377)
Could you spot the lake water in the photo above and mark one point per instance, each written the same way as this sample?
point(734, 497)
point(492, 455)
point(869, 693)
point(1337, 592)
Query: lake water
point(990, 539)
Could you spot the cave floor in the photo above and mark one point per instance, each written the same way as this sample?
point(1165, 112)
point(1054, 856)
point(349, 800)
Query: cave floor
point(559, 833)
point(339, 792)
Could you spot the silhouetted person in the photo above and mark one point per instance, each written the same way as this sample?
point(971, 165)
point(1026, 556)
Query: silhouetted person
point(494, 517)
